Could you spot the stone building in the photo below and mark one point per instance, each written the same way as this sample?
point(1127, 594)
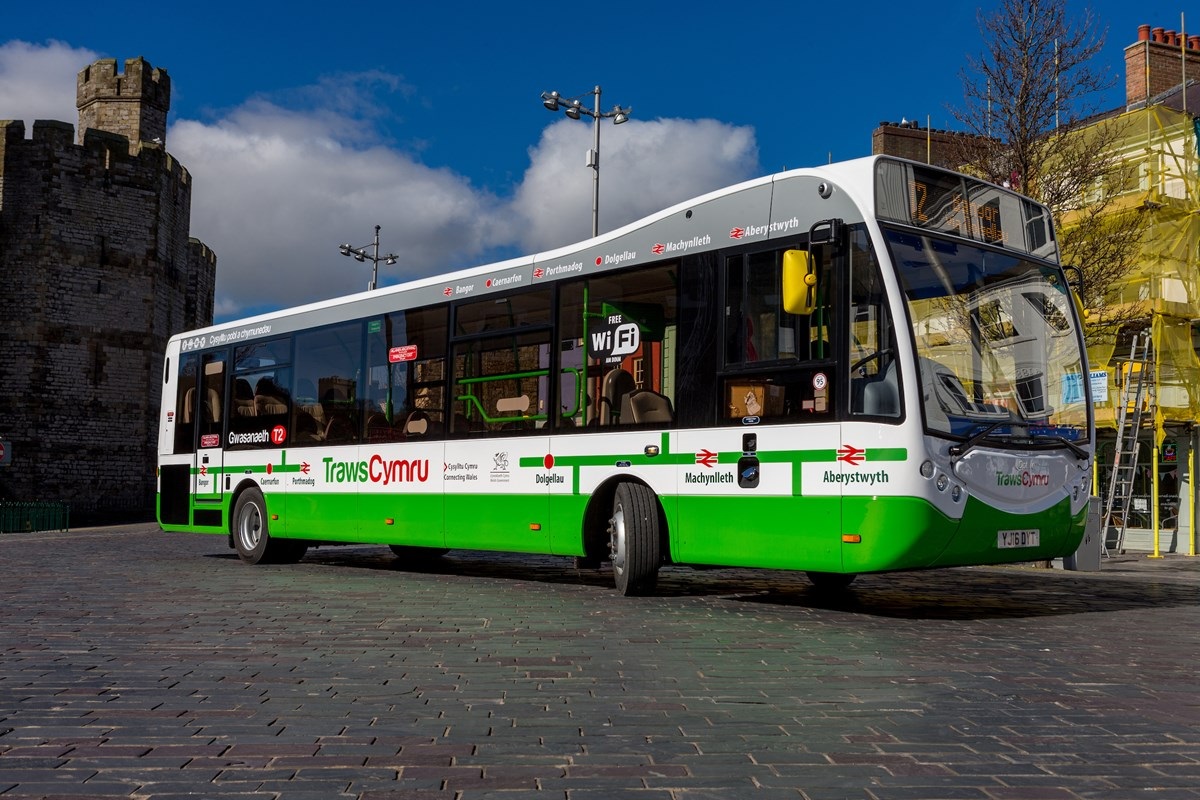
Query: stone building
point(99, 271)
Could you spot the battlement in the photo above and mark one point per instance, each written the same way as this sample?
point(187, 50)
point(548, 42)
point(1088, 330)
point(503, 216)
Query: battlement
point(140, 81)
point(133, 104)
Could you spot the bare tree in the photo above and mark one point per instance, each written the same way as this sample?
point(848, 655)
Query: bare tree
point(1031, 111)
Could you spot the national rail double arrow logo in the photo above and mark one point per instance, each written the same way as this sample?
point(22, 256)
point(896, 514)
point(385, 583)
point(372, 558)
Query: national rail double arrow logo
point(707, 458)
point(851, 455)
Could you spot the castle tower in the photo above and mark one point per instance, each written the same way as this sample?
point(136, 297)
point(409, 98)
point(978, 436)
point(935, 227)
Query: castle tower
point(99, 270)
point(133, 105)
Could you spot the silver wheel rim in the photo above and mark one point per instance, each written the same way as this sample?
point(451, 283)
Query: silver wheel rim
point(616, 539)
point(249, 526)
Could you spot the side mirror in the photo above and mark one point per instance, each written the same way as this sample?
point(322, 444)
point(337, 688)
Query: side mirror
point(799, 282)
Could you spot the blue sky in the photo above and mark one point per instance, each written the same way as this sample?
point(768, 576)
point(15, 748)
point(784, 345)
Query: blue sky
point(304, 125)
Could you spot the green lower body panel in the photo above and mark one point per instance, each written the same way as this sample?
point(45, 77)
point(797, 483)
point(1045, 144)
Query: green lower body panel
point(774, 532)
point(822, 534)
point(975, 541)
point(896, 533)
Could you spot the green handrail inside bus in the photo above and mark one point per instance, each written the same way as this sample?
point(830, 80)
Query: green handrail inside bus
point(474, 402)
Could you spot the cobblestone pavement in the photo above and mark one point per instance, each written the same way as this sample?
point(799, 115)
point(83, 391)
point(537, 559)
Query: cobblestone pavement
point(135, 663)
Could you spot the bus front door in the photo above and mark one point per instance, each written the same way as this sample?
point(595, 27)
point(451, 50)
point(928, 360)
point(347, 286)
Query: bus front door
point(208, 490)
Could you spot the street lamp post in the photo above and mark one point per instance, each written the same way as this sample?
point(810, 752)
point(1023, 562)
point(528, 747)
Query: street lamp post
point(360, 254)
point(573, 109)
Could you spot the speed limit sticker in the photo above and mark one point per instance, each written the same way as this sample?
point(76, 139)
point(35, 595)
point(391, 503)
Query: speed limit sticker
point(820, 381)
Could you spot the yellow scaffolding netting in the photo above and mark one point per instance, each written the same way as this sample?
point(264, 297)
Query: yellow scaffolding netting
point(1158, 148)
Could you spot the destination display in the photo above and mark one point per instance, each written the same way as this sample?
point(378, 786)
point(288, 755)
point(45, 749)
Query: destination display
point(943, 201)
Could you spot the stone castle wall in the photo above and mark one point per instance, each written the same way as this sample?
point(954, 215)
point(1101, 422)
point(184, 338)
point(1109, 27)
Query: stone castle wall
point(99, 271)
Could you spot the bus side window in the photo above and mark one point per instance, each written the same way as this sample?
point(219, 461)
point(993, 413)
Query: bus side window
point(188, 405)
point(329, 360)
point(779, 364)
point(209, 395)
point(874, 379)
point(617, 352)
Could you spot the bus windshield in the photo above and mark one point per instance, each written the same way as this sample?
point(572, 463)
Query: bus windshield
point(999, 352)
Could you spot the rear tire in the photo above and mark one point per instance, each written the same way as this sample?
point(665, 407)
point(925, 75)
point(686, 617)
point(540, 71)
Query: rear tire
point(634, 533)
point(252, 536)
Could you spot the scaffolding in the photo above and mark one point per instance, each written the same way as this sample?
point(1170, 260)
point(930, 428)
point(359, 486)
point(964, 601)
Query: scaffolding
point(1158, 146)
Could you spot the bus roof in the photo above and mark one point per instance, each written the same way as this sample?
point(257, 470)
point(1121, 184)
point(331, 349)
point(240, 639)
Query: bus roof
point(759, 209)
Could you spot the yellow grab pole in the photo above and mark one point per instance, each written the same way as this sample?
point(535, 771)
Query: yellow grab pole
point(1192, 495)
point(1154, 521)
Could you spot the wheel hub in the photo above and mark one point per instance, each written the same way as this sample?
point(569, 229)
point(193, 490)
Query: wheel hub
point(616, 539)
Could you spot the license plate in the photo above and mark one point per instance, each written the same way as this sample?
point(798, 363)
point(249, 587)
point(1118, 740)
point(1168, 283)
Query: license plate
point(1009, 539)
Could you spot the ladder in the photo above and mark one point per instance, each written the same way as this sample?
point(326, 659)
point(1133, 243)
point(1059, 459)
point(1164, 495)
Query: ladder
point(1134, 392)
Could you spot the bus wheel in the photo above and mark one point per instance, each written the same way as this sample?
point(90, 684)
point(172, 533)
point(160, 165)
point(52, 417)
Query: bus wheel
point(831, 581)
point(251, 536)
point(633, 538)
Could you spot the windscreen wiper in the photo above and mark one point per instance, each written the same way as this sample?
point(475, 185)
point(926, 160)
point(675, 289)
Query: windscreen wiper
point(974, 439)
point(1067, 443)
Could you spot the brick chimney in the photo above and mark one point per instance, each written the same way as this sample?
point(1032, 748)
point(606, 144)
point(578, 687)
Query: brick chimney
point(1156, 61)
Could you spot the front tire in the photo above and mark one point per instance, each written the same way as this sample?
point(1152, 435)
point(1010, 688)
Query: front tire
point(252, 537)
point(634, 537)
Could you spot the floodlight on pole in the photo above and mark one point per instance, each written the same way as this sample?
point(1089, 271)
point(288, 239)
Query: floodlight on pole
point(574, 108)
point(360, 254)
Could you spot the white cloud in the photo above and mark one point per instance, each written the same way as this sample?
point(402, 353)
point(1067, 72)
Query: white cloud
point(278, 183)
point(38, 81)
point(644, 167)
point(274, 193)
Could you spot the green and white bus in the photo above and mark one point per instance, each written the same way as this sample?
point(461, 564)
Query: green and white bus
point(868, 366)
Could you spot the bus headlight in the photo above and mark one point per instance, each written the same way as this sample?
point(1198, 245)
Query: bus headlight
point(942, 482)
point(927, 469)
point(956, 493)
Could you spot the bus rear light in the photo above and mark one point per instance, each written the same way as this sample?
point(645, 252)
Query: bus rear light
point(852, 538)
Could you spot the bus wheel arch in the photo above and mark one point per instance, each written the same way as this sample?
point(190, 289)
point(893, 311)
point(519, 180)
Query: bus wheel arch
point(250, 531)
point(636, 529)
point(595, 525)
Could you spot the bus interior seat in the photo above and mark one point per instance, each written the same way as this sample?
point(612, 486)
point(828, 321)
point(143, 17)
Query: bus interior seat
point(243, 399)
point(881, 395)
point(646, 405)
point(189, 405)
point(213, 407)
point(617, 383)
point(380, 430)
point(339, 430)
point(269, 398)
point(417, 425)
point(306, 426)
